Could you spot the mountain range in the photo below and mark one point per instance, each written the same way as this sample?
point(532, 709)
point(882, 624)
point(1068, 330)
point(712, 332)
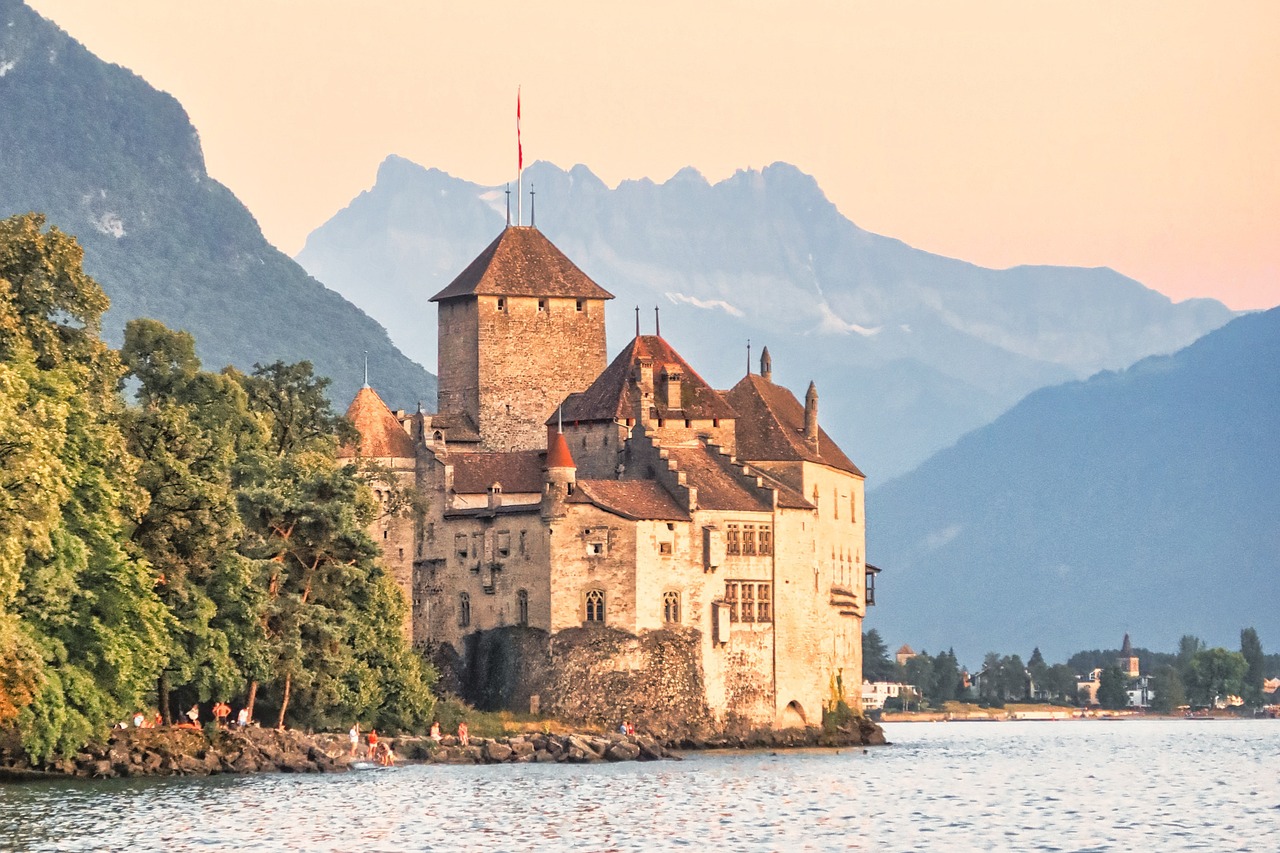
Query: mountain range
point(118, 164)
point(910, 350)
point(1142, 501)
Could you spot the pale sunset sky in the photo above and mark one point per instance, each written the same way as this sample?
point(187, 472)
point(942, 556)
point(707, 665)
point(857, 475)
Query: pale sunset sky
point(1142, 136)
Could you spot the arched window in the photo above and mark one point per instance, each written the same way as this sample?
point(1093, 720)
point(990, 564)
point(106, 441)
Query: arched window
point(522, 607)
point(671, 606)
point(464, 610)
point(595, 605)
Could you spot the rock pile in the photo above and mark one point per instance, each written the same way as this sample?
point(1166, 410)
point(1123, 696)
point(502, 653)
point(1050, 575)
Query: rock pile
point(539, 748)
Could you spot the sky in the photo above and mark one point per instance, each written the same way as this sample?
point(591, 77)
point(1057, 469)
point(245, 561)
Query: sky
point(1142, 136)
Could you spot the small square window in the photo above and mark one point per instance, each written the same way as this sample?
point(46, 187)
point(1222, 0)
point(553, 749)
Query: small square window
point(542, 305)
point(502, 303)
point(664, 548)
point(578, 306)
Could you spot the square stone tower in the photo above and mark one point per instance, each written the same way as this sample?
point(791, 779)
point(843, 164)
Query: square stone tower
point(520, 329)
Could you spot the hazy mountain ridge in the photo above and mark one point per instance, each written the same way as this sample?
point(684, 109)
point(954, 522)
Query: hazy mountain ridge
point(117, 163)
point(1142, 501)
point(909, 349)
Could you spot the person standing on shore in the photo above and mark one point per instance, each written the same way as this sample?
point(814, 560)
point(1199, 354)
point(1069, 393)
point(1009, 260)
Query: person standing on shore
point(242, 719)
point(354, 734)
point(464, 734)
point(373, 743)
point(194, 714)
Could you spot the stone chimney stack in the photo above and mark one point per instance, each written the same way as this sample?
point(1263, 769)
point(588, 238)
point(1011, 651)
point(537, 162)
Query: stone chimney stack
point(671, 380)
point(766, 365)
point(644, 386)
point(811, 417)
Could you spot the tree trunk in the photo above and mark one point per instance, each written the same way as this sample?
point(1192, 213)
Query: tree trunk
point(284, 703)
point(253, 697)
point(162, 699)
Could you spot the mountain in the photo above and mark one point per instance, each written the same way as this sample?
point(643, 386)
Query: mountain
point(910, 350)
point(1145, 501)
point(113, 161)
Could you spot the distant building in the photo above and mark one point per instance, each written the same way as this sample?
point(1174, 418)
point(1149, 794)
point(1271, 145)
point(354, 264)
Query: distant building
point(875, 693)
point(1128, 661)
point(905, 654)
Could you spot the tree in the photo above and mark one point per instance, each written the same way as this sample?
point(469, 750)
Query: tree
point(1188, 647)
point(1215, 675)
point(1038, 670)
point(1060, 682)
point(89, 628)
point(918, 672)
point(946, 678)
point(1013, 678)
point(1170, 694)
point(1255, 672)
point(876, 663)
point(1112, 692)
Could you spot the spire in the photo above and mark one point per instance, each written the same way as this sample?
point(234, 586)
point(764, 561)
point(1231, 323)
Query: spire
point(533, 211)
point(657, 325)
point(637, 321)
point(748, 356)
point(366, 368)
point(766, 365)
point(1127, 648)
point(519, 164)
point(508, 204)
point(811, 416)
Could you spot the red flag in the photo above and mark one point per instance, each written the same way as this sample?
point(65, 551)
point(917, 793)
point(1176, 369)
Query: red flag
point(519, 145)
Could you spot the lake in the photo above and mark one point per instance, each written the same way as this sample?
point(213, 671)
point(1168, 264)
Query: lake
point(1083, 785)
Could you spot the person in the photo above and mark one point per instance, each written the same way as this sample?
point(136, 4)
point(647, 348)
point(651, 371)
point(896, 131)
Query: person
point(631, 730)
point(464, 734)
point(388, 757)
point(354, 734)
point(435, 730)
point(221, 710)
point(138, 720)
point(194, 714)
point(622, 728)
point(158, 721)
point(242, 719)
point(373, 743)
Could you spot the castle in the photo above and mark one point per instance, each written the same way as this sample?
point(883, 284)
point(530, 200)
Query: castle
point(616, 539)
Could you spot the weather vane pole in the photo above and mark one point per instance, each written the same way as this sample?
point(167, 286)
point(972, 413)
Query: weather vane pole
point(366, 368)
point(519, 165)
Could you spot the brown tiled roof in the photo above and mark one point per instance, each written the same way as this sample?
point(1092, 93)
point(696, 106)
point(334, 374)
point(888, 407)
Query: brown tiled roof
point(770, 427)
point(381, 435)
point(717, 484)
point(613, 394)
point(633, 499)
point(522, 262)
point(516, 470)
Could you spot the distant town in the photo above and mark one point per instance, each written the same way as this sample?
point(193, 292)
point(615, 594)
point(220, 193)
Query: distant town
point(1194, 680)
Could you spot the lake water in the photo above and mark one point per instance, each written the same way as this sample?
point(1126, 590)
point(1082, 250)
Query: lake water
point(1088, 785)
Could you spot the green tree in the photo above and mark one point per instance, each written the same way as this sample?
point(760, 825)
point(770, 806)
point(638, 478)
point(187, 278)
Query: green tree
point(1188, 647)
point(188, 434)
point(88, 627)
point(1112, 689)
point(918, 672)
point(1170, 694)
point(1060, 682)
point(876, 663)
point(1215, 675)
point(946, 678)
point(1255, 671)
point(1013, 678)
point(1038, 670)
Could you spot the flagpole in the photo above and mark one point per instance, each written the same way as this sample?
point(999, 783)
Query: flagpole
point(519, 165)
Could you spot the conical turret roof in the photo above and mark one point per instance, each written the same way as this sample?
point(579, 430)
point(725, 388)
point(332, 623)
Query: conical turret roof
point(522, 262)
point(381, 435)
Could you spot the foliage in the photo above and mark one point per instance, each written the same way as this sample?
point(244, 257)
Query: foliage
point(71, 595)
point(1170, 693)
point(837, 717)
point(1112, 692)
point(876, 663)
point(1251, 649)
point(1215, 674)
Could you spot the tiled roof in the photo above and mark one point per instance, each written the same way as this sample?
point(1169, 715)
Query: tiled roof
point(516, 470)
point(788, 498)
point(381, 435)
point(613, 394)
point(522, 262)
point(633, 499)
point(718, 486)
point(770, 427)
point(456, 426)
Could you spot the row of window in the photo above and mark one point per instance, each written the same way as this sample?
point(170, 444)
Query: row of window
point(749, 601)
point(579, 305)
point(473, 546)
point(835, 503)
point(748, 540)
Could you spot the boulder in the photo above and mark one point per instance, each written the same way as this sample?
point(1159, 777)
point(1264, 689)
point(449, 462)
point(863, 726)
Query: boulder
point(622, 751)
point(496, 752)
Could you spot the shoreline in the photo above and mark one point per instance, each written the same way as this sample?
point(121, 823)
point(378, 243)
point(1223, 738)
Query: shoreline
point(174, 751)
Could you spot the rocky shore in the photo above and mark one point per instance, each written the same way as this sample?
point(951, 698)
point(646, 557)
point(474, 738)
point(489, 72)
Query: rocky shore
point(199, 752)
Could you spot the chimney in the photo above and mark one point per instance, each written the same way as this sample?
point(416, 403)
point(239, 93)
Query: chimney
point(811, 417)
point(672, 377)
point(643, 377)
point(766, 365)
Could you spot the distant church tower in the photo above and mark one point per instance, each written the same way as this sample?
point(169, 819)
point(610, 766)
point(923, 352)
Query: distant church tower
point(1128, 661)
point(520, 329)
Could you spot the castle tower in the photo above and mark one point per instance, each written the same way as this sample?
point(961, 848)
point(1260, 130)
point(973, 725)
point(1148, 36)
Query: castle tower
point(520, 329)
point(1128, 661)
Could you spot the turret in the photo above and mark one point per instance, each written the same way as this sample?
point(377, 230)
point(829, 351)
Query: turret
point(562, 474)
point(766, 365)
point(811, 417)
